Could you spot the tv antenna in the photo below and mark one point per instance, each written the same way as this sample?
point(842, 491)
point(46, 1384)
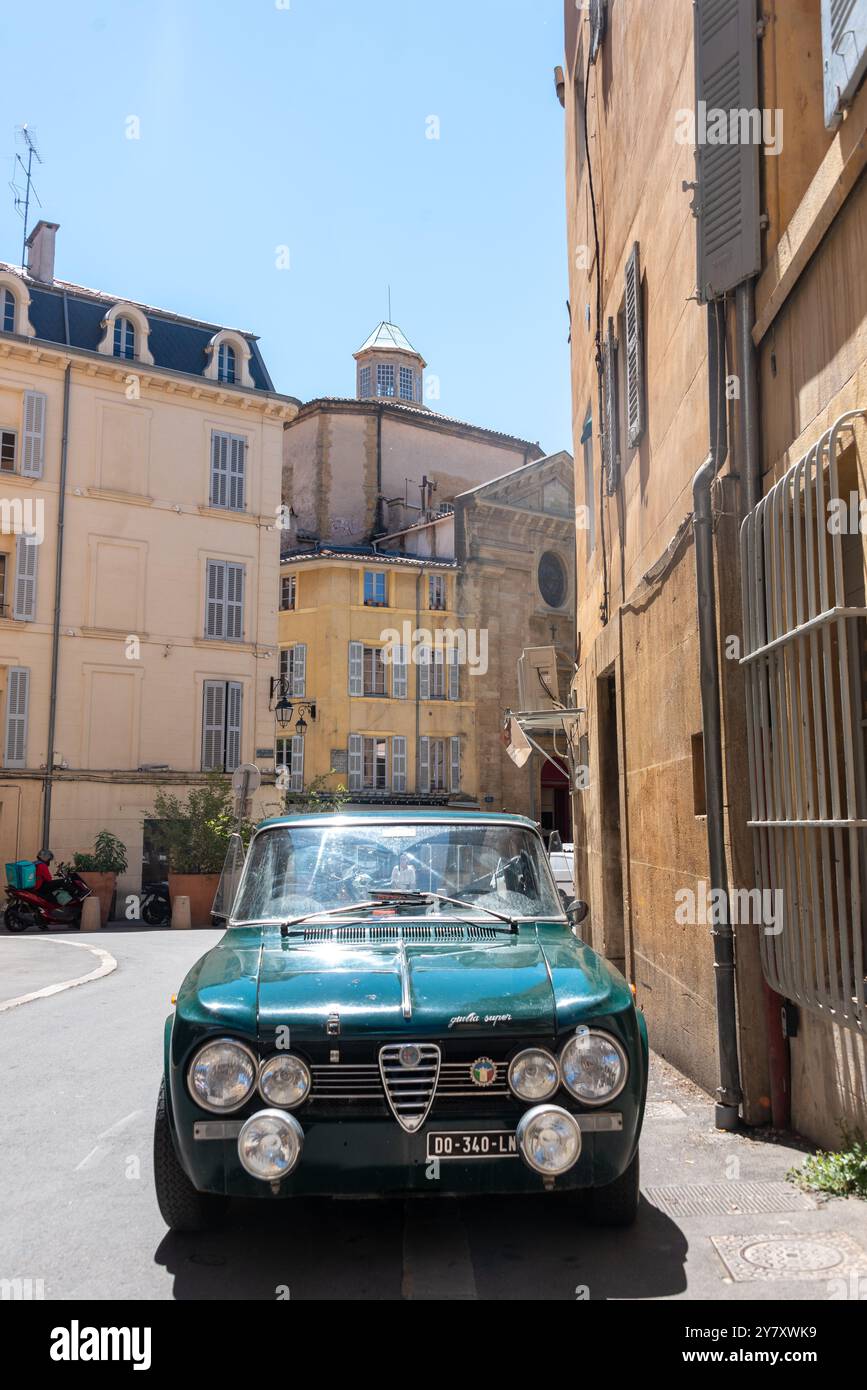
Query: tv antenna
point(23, 168)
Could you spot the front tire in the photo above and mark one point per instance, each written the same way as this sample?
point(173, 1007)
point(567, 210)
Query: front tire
point(616, 1204)
point(182, 1207)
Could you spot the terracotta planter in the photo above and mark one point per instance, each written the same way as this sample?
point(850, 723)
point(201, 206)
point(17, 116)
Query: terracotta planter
point(201, 889)
point(103, 888)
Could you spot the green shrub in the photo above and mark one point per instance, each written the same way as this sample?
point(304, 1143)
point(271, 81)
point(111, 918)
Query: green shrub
point(842, 1174)
point(108, 857)
point(194, 833)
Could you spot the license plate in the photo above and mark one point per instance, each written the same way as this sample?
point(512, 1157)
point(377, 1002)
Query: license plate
point(477, 1143)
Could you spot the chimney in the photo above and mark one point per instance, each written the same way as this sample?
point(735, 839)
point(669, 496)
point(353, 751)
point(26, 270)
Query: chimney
point(40, 246)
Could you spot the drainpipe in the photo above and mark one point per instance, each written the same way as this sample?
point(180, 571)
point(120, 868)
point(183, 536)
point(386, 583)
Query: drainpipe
point(751, 468)
point(55, 636)
point(729, 1089)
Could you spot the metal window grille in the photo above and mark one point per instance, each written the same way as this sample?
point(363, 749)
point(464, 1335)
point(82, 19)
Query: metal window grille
point(804, 660)
point(385, 379)
point(407, 383)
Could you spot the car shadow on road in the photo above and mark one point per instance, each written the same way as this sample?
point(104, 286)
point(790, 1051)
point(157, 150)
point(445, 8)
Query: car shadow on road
point(515, 1248)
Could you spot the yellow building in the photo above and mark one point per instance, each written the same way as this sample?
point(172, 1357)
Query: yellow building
point(151, 444)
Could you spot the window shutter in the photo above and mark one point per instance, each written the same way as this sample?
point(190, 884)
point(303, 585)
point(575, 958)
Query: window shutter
point(356, 762)
point(424, 764)
point(234, 625)
point(423, 675)
point(455, 764)
point(219, 469)
point(213, 725)
point(611, 438)
point(844, 44)
point(727, 201)
point(235, 695)
point(398, 764)
point(634, 349)
point(454, 674)
point(26, 556)
point(33, 457)
point(17, 700)
point(356, 668)
point(296, 779)
point(398, 673)
point(299, 671)
point(598, 23)
point(215, 606)
point(237, 471)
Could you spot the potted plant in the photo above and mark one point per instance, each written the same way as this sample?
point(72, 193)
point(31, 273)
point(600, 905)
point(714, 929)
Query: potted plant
point(194, 834)
point(100, 869)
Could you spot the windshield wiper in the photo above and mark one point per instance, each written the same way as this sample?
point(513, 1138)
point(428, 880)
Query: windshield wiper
point(410, 899)
point(286, 927)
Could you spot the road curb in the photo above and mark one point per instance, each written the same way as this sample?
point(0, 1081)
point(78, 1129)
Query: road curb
point(107, 964)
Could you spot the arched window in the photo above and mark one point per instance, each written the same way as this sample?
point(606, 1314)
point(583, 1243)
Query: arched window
point(124, 337)
point(7, 311)
point(226, 363)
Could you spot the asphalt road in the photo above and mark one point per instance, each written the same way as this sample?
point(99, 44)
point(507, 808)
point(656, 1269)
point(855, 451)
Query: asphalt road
point(81, 1071)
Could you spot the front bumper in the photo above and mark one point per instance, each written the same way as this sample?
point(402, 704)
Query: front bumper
point(376, 1158)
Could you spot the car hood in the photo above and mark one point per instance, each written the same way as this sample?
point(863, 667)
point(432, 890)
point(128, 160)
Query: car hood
point(519, 984)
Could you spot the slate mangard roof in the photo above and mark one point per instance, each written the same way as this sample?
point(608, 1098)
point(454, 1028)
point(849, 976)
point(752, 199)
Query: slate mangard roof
point(175, 342)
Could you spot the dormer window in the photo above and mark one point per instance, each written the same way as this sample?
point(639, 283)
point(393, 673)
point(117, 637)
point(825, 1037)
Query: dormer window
point(124, 338)
point(226, 363)
point(385, 379)
point(7, 311)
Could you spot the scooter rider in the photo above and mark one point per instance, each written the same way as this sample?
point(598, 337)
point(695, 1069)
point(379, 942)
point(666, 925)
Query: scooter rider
point(44, 881)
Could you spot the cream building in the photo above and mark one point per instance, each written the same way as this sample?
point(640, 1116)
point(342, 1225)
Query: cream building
point(152, 444)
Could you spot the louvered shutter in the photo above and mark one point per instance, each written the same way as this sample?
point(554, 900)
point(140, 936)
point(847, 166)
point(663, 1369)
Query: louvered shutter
point(727, 202)
point(454, 674)
point(213, 726)
point(234, 626)
point(356, 668)
point(17, 701)
point(398, 764)
point(296, 779)
point(219, 469)
point(398, 673)
point(299, 671)
point(634, 349)
point(455, 764)
point(215, 606)
point(33, 458)
point(237, 472)
point(611, 438)
point(26, 559)
point(598, 22)
point(356, 762)
point(234, 702)
point(844, 44)
point(423, 676)
point(424, 764)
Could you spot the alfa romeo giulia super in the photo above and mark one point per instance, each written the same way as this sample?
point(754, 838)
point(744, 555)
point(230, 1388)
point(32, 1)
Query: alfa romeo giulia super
point(400, 1004)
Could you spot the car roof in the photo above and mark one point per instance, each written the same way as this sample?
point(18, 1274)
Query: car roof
point(415, 817)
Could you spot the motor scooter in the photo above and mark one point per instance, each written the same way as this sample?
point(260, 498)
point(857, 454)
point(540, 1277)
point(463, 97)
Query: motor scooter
point(27, 908)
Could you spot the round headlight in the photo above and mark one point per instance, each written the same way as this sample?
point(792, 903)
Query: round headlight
point(549, 1139)
point(270, 1144)
point(594, 1067)
point(285, 1081)
point(534, 1074)
point(222, 1074)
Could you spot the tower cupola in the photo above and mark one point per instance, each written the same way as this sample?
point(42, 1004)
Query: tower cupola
point(389, 368)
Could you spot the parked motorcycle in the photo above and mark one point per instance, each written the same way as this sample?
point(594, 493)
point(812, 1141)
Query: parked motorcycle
point(27, 908)
point(156, 907)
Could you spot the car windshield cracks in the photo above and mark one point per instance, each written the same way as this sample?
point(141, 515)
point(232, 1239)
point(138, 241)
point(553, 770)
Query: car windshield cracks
point(379, 871)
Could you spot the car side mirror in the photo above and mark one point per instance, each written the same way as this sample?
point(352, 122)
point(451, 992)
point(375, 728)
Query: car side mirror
point(577, 912)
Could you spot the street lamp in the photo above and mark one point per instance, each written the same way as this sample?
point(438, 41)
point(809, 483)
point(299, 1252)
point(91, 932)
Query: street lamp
point(284, 710)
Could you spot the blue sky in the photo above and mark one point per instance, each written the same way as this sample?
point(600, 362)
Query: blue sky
point(302, 124)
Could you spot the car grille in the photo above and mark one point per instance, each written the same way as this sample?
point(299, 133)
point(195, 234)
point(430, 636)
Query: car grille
point(410, 1087)
point(411, 933)
point(362, 1082)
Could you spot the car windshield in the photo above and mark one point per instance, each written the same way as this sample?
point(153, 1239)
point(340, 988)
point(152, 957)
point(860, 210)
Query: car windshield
point(307, 870)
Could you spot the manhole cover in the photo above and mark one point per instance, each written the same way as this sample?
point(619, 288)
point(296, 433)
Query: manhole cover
point(790, 1256)
point(729, 1199)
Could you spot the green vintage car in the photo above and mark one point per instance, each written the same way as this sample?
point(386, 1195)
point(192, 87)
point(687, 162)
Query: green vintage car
point(400, 1005)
